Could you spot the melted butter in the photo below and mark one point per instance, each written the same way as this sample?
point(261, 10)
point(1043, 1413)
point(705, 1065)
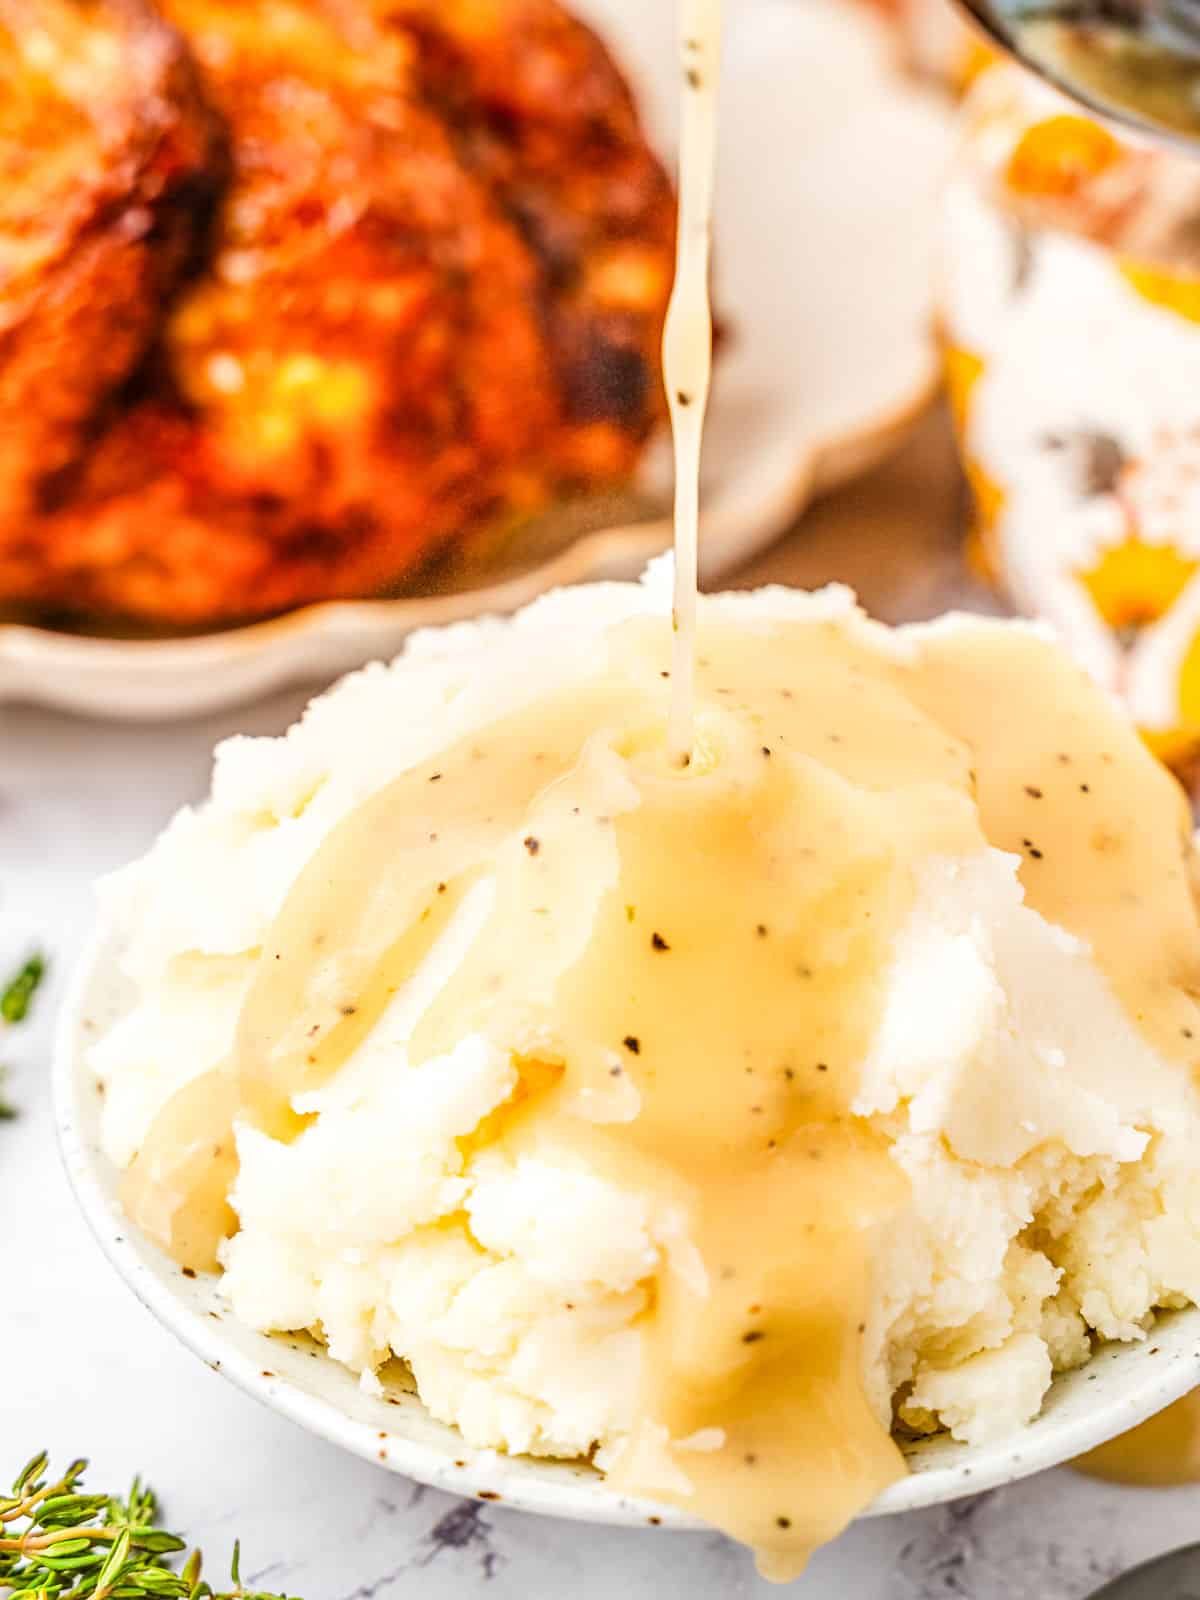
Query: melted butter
point(1157, 1455)
point(687, 336)
point(697, 958)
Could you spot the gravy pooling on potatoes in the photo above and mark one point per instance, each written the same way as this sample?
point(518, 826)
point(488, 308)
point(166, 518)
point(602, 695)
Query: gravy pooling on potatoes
point(688, 966)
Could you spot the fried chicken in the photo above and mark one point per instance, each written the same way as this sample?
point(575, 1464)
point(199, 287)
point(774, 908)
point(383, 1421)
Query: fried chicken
point(430, 299)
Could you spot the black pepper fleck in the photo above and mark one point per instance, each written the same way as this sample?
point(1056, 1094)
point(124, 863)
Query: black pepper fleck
point(1032, 792)
point(532, 845)
point(753, 1336)
point(683, 397)
point(435, 777)
point(658, 942)
point(783, 1522)
point(632, 1043)
point(694, 80)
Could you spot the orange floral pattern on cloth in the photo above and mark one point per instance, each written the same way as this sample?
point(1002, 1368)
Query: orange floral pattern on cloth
point(1175, 291)
point(936, 41)
point(962, 371)
point(1135, 583)
point(1071, 321)
point(1060, 157)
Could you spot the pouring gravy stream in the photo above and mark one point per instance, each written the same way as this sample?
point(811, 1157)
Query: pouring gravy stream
point(687, 340)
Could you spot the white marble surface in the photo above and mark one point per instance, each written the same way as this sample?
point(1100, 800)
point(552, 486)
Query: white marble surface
point(84, 1369)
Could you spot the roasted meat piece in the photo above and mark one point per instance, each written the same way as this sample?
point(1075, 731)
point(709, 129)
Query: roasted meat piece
point(421, 308)
point(537, 107)
point(108, 158)
point(357, 373)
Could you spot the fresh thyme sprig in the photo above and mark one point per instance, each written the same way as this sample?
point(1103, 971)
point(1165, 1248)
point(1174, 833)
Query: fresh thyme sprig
point(58, 1543)
point(15, 1000)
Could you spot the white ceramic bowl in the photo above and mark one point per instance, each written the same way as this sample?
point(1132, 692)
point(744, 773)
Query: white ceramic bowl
point(1121, 1386)
point(831, 166)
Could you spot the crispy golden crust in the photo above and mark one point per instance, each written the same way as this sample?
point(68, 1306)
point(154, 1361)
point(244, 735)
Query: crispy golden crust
point(536, 106)
point(107, 155)
point(381, 349)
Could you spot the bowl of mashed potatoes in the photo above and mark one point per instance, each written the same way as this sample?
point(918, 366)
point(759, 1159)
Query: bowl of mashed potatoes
point(805, 1132)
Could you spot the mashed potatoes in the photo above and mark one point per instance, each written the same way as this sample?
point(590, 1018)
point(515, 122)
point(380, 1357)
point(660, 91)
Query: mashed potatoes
point(1049, 1150)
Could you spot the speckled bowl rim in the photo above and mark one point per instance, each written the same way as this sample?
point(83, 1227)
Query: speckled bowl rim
point(1120, 1387)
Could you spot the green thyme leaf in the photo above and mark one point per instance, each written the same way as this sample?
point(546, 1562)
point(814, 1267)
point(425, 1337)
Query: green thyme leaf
point(58, 1543)
point(15, 999)
point(17, 995)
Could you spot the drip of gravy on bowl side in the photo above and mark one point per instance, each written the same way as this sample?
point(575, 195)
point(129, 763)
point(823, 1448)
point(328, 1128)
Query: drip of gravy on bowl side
point(1158, 1454)
point(691, 871)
